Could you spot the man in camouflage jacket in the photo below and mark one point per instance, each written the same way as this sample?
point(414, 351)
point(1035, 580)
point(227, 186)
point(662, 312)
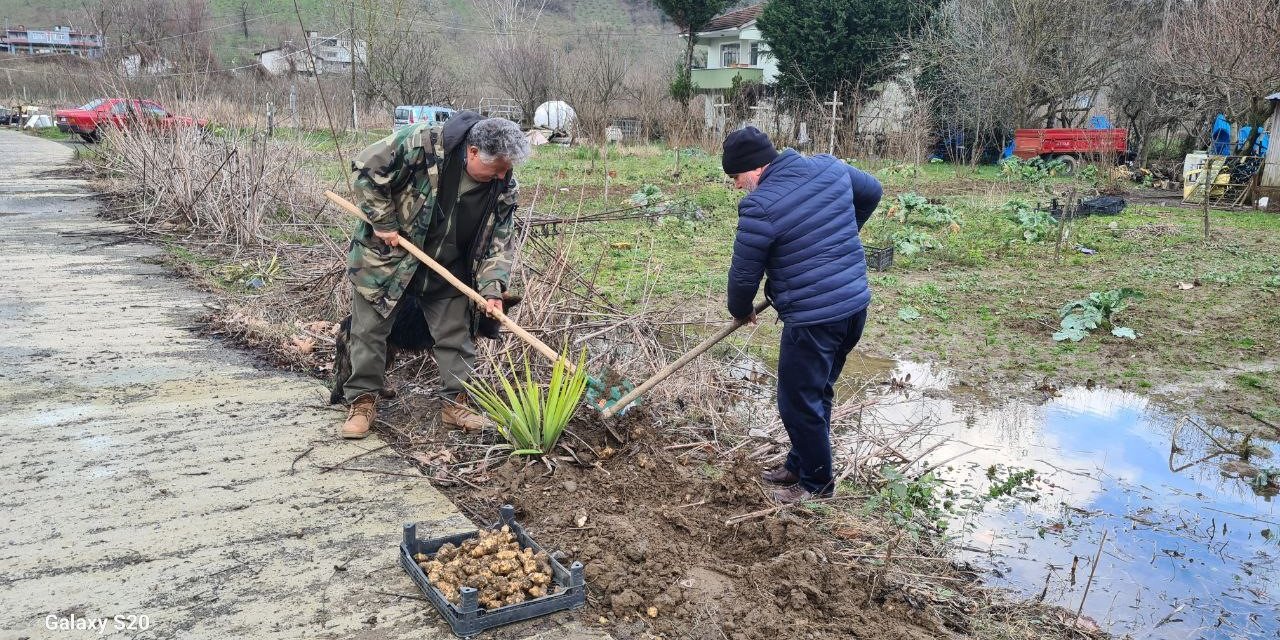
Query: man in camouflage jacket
point(449, 191)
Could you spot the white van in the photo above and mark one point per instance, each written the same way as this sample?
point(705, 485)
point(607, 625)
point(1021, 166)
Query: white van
point(415, 114)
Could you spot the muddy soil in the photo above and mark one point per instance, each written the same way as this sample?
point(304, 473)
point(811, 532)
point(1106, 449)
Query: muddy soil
point(649, 524)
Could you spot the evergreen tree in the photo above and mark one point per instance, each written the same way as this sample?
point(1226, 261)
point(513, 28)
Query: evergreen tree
point(691, 16)
point(824, 45)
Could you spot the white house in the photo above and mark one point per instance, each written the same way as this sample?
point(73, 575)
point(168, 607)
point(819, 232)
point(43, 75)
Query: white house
point(133, 65)
point(734, 47)
point(284, 60)
point(337, 53)
point(329, 55)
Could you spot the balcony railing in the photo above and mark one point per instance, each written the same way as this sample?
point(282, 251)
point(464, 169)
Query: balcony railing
point(723, 78)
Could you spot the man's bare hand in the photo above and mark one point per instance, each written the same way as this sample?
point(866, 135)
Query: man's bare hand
point(493, 307)
point(390, 238)
point(751, 319)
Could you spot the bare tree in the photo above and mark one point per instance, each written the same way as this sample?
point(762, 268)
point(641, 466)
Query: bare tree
point(402, 64)
point(242, 11)
point(594, 80)
point(1228, 52)
point(648, 89)
point(394, 74)
point(1148, 103)
point(508, 18)
point(101, 15)
point(525, 70)
point(992, 65)
point(176, 31)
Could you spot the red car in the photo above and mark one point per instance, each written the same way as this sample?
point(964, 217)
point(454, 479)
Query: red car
point(90, 120)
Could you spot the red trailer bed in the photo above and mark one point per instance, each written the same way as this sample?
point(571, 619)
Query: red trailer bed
point(1076, 143)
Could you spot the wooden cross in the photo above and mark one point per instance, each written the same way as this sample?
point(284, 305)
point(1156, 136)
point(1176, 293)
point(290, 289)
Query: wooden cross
point(721, 124)
point(834, 104)
point(757, 109)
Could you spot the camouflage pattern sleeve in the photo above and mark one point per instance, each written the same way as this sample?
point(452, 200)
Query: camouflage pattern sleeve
point(372, 173)
point(494, 273)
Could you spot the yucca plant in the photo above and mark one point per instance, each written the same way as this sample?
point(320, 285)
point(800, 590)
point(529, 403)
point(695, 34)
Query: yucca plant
point(529, 416)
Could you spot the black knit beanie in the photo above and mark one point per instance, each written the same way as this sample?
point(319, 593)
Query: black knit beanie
point(747, 149)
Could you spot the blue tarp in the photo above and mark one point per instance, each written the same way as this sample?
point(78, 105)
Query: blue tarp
point(1259, 146)
point(1242, 138)
point(1220, 137)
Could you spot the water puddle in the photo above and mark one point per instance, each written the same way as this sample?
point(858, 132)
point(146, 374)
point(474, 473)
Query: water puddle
point(1192, 533)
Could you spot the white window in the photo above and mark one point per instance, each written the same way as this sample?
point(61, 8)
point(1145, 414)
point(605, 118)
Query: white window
point(755, 54)
point(729, 54)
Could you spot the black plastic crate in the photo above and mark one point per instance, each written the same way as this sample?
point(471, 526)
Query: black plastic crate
point(879, 258)
point(468, 618)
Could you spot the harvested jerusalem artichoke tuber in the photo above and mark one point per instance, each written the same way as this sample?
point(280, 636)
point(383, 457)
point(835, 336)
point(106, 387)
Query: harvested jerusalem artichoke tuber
point(492, 563)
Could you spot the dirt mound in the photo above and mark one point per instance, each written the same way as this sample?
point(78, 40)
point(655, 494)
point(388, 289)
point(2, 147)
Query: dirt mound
point(649, 524)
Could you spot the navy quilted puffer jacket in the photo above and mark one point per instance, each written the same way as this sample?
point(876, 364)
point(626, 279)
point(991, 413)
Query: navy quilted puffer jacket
point(800, 227)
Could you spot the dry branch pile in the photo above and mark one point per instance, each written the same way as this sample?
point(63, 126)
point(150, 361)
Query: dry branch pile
point(248, 208)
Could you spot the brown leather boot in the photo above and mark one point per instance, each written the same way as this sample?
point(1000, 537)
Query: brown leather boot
point(791, 495)
point(459, 414)
point(780, 475)
point(360, 417)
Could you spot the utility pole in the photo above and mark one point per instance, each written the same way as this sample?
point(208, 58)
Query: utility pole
point(293, 107)
point(351, 35)
point(834, 104)
point(1208, 173)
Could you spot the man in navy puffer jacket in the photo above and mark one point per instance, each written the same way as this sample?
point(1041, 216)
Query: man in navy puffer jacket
point(799, 226)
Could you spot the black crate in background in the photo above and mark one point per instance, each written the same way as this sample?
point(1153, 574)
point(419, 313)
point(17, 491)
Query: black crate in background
point(879, 258)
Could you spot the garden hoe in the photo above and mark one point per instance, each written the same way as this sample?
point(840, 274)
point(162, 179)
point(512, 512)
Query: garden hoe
point(620, 405)
point(596, 389)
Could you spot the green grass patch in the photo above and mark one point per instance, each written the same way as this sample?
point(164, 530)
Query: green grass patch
point(51, 133)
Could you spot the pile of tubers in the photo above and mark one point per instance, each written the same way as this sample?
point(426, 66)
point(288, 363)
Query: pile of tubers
point(493, 564)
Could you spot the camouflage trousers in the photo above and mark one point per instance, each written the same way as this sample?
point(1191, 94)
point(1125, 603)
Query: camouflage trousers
point(454, 350)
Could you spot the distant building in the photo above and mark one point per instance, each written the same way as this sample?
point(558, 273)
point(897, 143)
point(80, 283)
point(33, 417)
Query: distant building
point(284, 60)
point(337, 53)
point(734, 47)
point(59, 40)
point(135, 65)
point(329, 55)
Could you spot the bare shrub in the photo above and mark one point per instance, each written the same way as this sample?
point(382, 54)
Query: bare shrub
point(593, 81)
point(403, 64)
point(1226, 54)
point(989, 66)
point(526, 70)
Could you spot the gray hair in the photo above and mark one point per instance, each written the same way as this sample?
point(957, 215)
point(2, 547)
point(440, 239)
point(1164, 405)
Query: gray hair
point(499, 138)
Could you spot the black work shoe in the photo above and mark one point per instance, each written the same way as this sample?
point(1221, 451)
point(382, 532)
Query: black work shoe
point(780, 475)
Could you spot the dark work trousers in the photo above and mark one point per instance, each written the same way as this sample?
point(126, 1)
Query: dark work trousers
point(809, 363)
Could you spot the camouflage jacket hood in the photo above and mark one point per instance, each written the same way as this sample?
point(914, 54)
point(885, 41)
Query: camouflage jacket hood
point(397, 182)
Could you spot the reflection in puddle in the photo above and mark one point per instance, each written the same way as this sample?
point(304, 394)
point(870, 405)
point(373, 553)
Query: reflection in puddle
point(1190, 553)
